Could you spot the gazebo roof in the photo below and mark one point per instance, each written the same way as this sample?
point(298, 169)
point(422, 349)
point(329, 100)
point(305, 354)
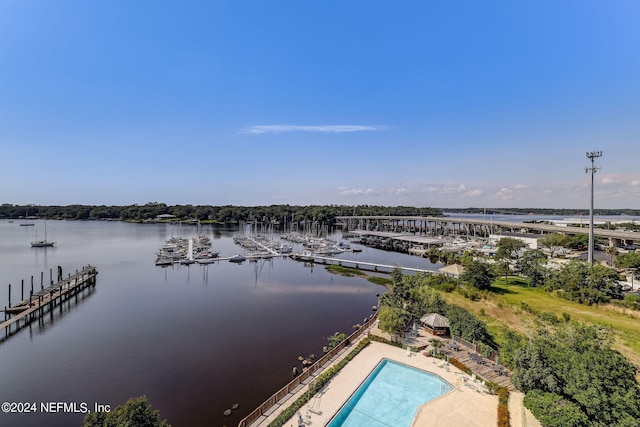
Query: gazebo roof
point(435, 320)
point(454, 270)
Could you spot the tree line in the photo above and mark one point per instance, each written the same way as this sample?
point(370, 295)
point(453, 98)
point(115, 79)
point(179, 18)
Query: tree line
point(227, 214)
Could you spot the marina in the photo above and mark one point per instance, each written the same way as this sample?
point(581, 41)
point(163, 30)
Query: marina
point(220, 333)
point(186, 251)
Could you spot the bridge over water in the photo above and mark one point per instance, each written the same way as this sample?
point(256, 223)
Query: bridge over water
point(439, 226)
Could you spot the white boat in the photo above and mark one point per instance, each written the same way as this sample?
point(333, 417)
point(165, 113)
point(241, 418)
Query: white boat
point(42, 243)
point(237, 258)
point(284, 249)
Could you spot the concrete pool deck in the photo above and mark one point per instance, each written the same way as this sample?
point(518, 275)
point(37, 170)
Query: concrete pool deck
point(466, 405)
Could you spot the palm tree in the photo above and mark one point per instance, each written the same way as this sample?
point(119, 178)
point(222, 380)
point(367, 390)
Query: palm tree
point(436, 343)
point(612, 251)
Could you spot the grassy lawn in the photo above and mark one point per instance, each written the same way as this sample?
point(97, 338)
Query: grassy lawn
point(345, 271)
point(504, 306)
point(351, 272)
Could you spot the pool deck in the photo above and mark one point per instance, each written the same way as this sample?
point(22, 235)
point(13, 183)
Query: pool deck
point(466, 405)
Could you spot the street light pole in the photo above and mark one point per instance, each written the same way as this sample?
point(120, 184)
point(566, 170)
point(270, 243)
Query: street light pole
point(591, 155)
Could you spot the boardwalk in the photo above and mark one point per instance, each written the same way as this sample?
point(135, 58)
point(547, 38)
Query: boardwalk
point(487, 370)
point(382, 268)
point(46, 299)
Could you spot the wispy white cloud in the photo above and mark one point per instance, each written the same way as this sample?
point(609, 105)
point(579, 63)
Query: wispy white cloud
point(344, 191)
point(262, 129)
point(504, 193)
point(449, 189)
point(475, 193)
point(400, 191)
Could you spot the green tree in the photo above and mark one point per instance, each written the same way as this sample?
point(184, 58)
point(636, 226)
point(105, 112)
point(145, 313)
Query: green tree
point(436, 344)
point(466, 325)
point(553, 410)
point(391, 320)
point(578, 364)
point(554, 241)
point(136, 412)
point(336, 339)
point(396, 275)
point(533, 265)
point(577, 281)
point(578, 242)
point(508, 247)
point(628, 260)
point(478, 274)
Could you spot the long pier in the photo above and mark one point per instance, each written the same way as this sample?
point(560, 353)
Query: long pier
point(372, 266)
point(44, 300)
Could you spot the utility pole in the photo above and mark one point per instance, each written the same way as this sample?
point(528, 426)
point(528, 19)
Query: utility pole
point(592, 156)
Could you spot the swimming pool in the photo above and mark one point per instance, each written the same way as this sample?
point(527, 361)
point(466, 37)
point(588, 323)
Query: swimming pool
point(390, 396)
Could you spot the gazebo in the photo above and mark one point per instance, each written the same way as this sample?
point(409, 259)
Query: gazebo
point(435, 323)
point(453, 270)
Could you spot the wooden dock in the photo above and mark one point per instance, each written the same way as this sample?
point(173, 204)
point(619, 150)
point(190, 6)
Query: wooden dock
point(486, 370)
point(43, 301)
point(380, 268)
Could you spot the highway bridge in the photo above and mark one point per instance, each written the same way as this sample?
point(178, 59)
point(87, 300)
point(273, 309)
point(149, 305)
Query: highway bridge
point(473, 227)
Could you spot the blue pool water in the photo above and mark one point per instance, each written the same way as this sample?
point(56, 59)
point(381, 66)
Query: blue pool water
point(390, 396)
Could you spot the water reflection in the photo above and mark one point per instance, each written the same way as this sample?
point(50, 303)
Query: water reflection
point(193, 339)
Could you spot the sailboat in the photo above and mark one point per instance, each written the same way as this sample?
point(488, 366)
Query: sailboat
point(26, 223)
point(42, 243)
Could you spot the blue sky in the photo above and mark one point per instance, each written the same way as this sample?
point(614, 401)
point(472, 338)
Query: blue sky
point(423, 103)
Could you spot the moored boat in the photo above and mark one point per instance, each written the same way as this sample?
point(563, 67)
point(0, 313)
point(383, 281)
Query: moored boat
point(237, 258)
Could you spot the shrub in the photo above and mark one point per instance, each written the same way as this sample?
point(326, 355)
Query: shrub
point(458, 364)
point(552, 410)
point(547, 316)
point(335, 339)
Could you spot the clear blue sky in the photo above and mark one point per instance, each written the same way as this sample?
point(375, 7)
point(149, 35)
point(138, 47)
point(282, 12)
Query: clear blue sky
point(423, 103)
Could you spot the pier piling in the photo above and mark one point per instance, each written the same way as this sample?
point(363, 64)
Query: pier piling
point(47, 298)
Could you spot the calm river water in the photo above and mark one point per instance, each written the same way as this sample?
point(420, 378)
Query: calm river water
point(194, 340)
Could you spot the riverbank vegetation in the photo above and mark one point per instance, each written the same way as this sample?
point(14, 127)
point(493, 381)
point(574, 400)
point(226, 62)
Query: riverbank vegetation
point(228, 214)
point(344, 271)
point(352, 272)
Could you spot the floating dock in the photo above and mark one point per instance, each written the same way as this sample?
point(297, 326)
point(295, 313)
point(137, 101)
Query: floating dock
point(44, 300)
